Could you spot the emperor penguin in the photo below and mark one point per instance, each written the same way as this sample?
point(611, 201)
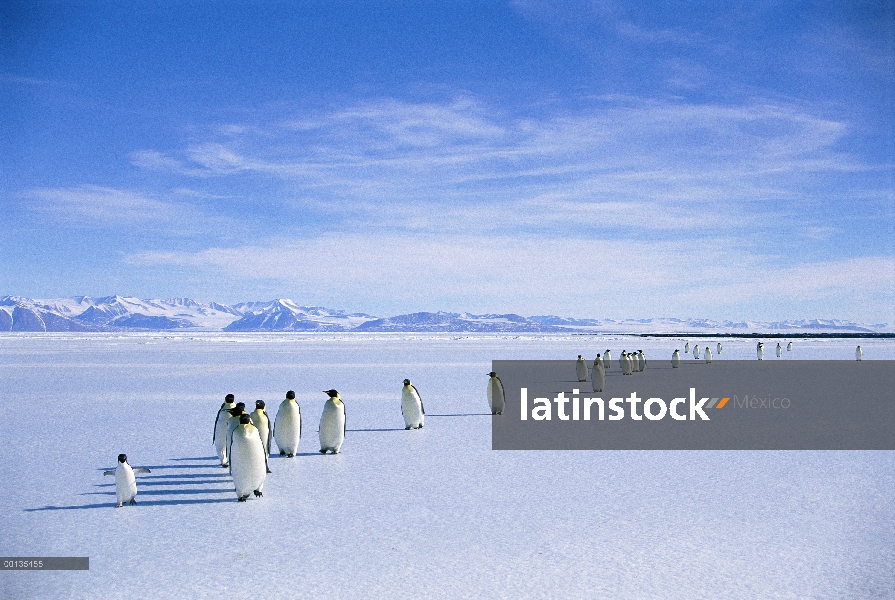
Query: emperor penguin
point(719, 348)
point(496, 398)
point(687, 348)
point(581, 368)
point(779, 350)
point(760, 350)
point(262, 424)
point(598, 375)
point(248, 460)
point(859, 354)
point(412, 406)
point(287, 426)
point(125, 482)
point(708, 354)
point(641, 361)
point(675, 359)
point(607, 359)
point(233, 422)
point(696, 352)
point(789, 347)
point(332, 423)
point(626, 363)
point(219, 438)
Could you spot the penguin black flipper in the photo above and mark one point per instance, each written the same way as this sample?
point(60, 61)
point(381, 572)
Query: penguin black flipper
point(142, 470)
point(423, 408)
point(108, 472)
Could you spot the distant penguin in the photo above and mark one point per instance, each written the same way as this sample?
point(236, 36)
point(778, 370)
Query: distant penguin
point(125, 482)
point(287, 426)
point(248, 460)
point(719, 348)
point(687, 348)
point(708, 354)
point(789, 347)
point(641, 360)
point(598, 375)
point(332, 424)
point(219, 438)
point(675, 359)
point(581, 368)
point(760, 350)
point(607, 359)
point(496, 398)
point(696, 352)
point(779, 350)
point(412, 406)
point(859, 354)
point(626, 363)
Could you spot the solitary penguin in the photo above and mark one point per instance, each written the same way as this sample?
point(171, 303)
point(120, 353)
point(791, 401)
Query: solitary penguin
point(248, 461)
point(719, 348)
point(581, 368)
point(219, 438)
point(287, 426)
point(262, 424)
point(779, 350)
point(760, 350)
point(125, 482)
point(641, 360)
point(696, 352)
point(332, 423)
point(789, 347)
point(412, 406)
point(675, 359)
point(859, 354)
point(708, 354)
point(607, 359)
point(598, 375)
point(687, 348)
point(496, 400)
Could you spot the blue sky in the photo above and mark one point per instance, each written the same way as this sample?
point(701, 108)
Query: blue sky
point(590, 159)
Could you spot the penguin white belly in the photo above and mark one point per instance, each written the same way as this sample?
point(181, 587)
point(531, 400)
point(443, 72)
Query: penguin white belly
point(220, 435)
point(248, 464)
point(626, 364)
point(641, 361)
point(687, 348)
point(708, 354)
point(125, 483)
point(779, 351)
point(675, 359)
point(496, 398)
point(332, 426)
point(287, 427)
point(581, 369)
point(262, 423)
point(598, 377)
point(411, 408)
point(607, 359)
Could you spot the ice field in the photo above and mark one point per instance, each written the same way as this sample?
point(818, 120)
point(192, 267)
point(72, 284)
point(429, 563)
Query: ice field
point(406, 514)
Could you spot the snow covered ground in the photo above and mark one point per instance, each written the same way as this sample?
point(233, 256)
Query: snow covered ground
point(428, 513)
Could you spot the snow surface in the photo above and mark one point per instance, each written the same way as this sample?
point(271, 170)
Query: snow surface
point(406, 514)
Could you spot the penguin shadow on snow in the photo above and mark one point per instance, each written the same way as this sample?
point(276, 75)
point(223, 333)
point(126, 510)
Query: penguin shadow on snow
point(107, 505)
point(388, 429)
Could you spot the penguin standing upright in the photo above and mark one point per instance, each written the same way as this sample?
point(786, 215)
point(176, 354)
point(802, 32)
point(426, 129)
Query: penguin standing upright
point(675, 359)
point(412, 406)
point(598, 375)
point(607, 359)
point(496, 399)
point(779, 350)
point(859, 354)
point(287, 426)
point(696, 352)
point(687, 348)
point(332, 423)
point(626, 363)
point(708, 354)
point(248, 460)
point(233, 422)
point(760, 350)
point(581, 368)
point(262, 424)
point(125, 482)
point(789, 347)
point(219, 438)
point(641, 361)
point(719, 348)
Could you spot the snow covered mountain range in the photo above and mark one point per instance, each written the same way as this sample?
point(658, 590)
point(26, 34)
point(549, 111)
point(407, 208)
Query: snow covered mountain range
point(117, 313)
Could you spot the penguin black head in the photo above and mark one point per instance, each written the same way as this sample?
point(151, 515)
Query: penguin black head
point(331, 393)
point(229, 398)
point(122, 458)
point(406, 382)
point(259, 404)
point(492, 374)
point(244, 419)
point(290, 395)
point(240, 405)
point(235, 412)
